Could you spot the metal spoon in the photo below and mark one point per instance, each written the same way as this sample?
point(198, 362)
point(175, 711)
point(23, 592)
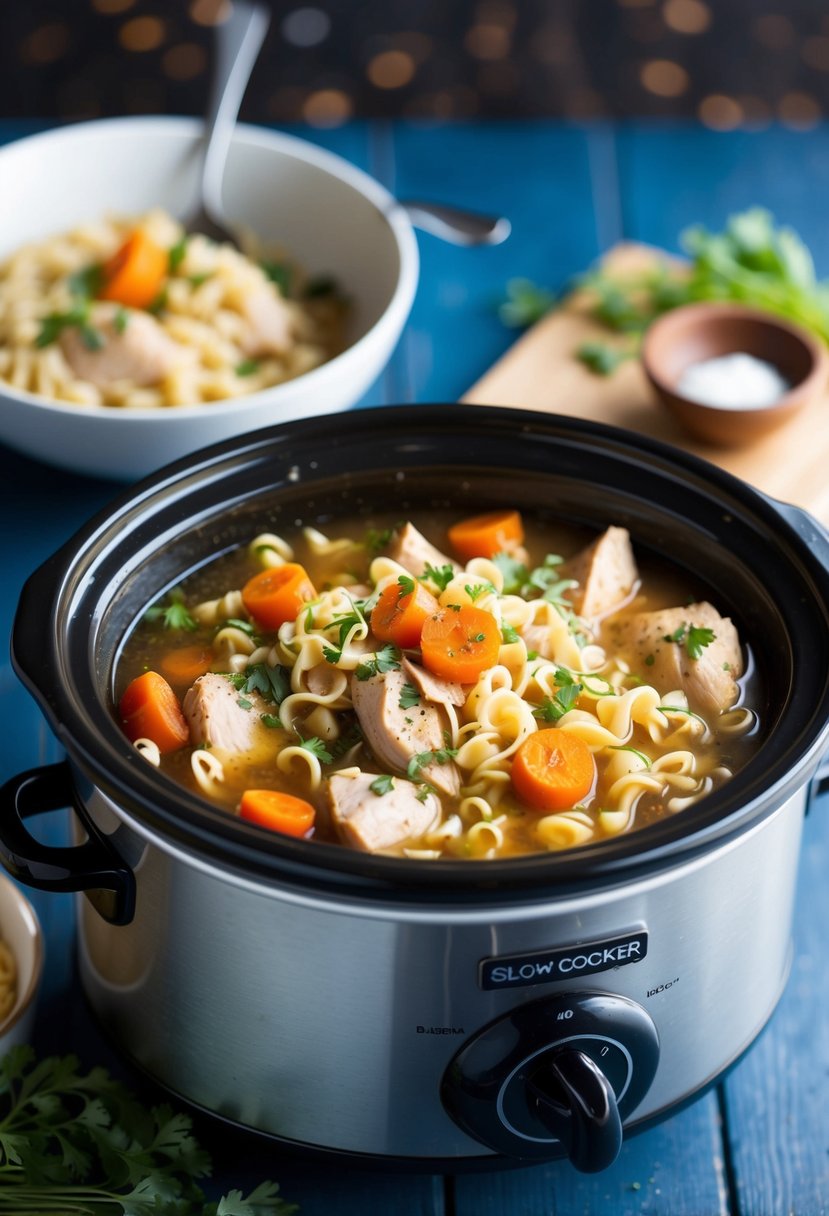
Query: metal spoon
point(238, 41)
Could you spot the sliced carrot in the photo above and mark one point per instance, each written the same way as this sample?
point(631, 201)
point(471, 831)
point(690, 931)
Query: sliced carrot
point(458, 643)
point(486, 535)
point(149, 709)
point(135, 274)
point(186, 663)
point(553, 770)
point(400, 612)
point(280, 812)
point(276, 595)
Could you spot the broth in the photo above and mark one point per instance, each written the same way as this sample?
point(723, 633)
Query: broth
point(655, 747)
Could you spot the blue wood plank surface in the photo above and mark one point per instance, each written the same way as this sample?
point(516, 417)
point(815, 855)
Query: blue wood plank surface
point(756, 1146)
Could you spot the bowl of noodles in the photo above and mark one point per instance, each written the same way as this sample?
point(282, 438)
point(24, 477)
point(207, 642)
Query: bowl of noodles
point(21, 965)
point(127, 341)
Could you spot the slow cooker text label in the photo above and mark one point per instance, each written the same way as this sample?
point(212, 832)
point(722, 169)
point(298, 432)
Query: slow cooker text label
point(547, 966)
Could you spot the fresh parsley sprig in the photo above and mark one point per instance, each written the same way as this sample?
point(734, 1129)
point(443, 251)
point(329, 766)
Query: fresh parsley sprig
point(272, 683)
point(173, 614)
point(79, 1144)
point(425, 759)
point(385, 659)
point(695, 637)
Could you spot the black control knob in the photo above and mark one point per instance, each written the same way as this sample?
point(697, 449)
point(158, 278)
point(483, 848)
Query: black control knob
point(555, 1077)
point(575, 1100)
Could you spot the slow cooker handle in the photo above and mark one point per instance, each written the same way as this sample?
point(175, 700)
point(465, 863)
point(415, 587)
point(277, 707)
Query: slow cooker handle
point(93, 867)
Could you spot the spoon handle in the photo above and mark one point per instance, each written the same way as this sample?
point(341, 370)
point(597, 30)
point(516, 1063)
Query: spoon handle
point(457, 226)
point(238, 42)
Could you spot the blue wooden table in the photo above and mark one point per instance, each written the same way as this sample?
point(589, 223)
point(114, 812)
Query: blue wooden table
point(758, 1144)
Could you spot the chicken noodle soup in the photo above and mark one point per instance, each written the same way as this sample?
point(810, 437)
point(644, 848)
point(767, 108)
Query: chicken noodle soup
point(439, 687)
point(133, 313)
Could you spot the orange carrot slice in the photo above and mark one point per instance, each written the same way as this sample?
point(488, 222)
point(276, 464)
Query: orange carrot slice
point(458, 643)
point(149, 709)
point(486, 535)
point(553, 770)
point(186, 663)
point(277, 811)
point(135, 274)
point(401, 611)
point(276, 595)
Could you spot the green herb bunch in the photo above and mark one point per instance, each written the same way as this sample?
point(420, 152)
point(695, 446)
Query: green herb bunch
point(752, 261)
point(78, 1144)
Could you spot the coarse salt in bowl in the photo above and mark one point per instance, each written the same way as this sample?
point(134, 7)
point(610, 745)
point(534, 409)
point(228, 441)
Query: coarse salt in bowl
point(330, 217)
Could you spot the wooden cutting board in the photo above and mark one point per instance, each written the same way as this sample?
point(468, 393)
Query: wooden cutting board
point(541, 372)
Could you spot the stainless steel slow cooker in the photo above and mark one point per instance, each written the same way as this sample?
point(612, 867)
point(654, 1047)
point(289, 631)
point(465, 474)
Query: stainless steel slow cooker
point(443, 1012)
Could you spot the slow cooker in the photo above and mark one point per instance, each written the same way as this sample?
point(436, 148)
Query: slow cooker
point(446, 1013)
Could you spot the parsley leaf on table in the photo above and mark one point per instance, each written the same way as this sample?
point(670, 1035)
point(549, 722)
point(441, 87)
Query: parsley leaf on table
point(78, 1144)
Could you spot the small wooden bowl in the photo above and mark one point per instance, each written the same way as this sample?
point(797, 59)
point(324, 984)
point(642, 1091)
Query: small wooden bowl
point(696, 332)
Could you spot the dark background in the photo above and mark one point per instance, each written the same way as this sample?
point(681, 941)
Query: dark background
point(729, 63)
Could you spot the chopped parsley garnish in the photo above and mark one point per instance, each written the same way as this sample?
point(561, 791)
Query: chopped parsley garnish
point(602, 357)
point(174, 614)
point(279, 273)
point(176, 255)
point(321, 285)
point(423, 791)
point(509, 634)
point(695, 637)
point(196, 280)
point(247, 367)
point(634, 751)
point(159, 303)
point(271, 721)
point(476, 590)
point(243, 703)
point(348, 739)
point(53, 325)
point(345, 624)
point(443, 755)
point(377, 539)
point(331, 655)
point(555, 707)
point(409, 697)
point(121, 319)
point(546, 579)
point(441, 576)
point(406, 585)
point(317, 748)
point(272, 683)
point(88, 282)
point(514, 573)
point(381, 785)
point(386, 659)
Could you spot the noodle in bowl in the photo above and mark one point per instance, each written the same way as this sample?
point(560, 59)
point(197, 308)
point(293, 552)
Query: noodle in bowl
point(328, 219)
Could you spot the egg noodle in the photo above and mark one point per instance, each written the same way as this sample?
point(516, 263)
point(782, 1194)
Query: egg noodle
point(8, 980)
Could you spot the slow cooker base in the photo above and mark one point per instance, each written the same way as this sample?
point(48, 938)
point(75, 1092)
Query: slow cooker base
point(237, 1140)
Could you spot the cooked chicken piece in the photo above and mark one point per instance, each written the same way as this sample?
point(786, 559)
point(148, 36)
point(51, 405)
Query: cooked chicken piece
point(395, 735)
point(606, 574)
point(414, 552)
point(270, 323)
point(370, 821)
point(138, 350)
point(218, 718)
point(709, 681)
point(442, 692)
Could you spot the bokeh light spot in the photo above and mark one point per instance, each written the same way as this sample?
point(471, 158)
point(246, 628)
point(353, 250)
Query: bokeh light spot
point(720, 112)
point(664, 78)
point(185, 61)
point(686, 16)
point(306, 27)
point(391, 69)
point(45, 45)
point(142, 34)
point(327, 108)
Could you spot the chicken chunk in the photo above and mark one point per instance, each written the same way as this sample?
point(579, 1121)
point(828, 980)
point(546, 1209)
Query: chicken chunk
point(441, 692)
point(270, 323)
point(410, 549)
point(709, 681)
point(138, 350)
point(395, 735)
point(220, 717)
point(370, 821)
point(606, 574)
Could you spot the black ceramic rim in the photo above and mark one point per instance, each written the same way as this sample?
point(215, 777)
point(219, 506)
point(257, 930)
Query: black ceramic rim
point(778, 559)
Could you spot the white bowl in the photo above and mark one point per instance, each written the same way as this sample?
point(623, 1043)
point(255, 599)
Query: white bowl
point(331, 217)
point(20, 929)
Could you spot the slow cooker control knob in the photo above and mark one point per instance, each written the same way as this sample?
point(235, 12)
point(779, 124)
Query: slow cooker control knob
point(556, 1076)
point(575, 1100)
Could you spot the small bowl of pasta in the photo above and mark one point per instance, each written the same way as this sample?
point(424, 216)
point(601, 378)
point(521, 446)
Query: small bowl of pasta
point(128, 341)
point(21, 965)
